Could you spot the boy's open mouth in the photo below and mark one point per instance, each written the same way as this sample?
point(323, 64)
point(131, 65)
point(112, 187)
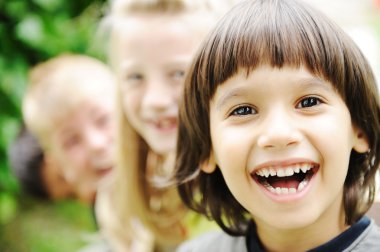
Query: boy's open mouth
point(286, 180)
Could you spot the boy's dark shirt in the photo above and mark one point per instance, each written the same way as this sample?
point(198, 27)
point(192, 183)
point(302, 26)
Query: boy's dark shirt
point(339, 243)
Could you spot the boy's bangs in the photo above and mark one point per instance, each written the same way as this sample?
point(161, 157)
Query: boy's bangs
point(276, 38)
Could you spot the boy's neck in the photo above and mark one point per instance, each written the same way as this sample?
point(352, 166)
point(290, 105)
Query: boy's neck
point(328, 226)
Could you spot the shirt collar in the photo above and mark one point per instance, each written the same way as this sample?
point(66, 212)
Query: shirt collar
point(339, 243)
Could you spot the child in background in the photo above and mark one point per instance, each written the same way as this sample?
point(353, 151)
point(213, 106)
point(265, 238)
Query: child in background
point(151, 46)
point(38, 174)
point(279, 134)
point(68, 106)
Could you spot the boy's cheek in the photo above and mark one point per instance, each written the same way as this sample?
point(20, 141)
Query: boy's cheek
point(69, 165)
point(86, 194)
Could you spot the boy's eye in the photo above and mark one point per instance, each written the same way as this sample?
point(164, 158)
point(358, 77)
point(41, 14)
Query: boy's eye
point(243, 110)
point(309, 102)
point(102, 120)
point(71, 141)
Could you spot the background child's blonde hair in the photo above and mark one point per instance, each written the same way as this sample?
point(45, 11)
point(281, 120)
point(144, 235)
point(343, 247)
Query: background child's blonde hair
point(163, 212)
point(207, 10)
point(58, 87)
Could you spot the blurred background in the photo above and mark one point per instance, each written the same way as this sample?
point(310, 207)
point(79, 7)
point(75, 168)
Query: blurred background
point(361, 20)
point(32, 31)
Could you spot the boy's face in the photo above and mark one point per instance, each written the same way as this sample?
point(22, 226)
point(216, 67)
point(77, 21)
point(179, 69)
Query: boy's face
point(83, 143)
point(55, 183)
point(282, 139)
point(153, 55)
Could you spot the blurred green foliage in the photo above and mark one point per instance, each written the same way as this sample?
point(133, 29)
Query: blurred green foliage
point(33, 31)
point(48, 226)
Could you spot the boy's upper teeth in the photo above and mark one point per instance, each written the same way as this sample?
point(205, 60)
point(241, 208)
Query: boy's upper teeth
point(284, 171)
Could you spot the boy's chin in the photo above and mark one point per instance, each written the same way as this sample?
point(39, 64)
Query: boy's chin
point(87, 196)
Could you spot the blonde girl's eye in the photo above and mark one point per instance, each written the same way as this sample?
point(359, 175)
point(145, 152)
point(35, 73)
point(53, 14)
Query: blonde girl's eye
point(178, 74)
point(308, 102)
point(243, 111)
point(134, 77)
point(132, 81)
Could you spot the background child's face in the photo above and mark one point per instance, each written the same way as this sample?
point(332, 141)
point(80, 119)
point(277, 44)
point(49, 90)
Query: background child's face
point(267, 128)
point(55, 183)
point(154, 53)
point(83, 143)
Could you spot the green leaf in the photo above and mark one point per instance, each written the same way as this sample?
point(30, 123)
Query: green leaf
point(16, 8)
point(30, 30)
point(49, 5)
point(8, 207)
point(9, 128)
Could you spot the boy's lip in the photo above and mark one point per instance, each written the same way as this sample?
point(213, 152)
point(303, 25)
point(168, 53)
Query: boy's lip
point(104, 171)
point(297, 176)
point(278, 164)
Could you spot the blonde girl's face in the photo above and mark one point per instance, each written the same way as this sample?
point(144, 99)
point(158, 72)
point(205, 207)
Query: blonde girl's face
point(153, 55)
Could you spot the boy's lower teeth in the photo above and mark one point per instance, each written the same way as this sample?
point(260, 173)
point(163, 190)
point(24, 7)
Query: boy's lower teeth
point(286, 190)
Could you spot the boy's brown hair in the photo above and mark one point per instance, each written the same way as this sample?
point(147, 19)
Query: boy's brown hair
point(277, 33)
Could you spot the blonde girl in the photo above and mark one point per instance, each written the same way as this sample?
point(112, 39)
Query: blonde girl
point(151, 46)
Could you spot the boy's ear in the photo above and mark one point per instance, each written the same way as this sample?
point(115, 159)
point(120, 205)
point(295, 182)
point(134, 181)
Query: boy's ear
point(209, 165)
point(361, 144)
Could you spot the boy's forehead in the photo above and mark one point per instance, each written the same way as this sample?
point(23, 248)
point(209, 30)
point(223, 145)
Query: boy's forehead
point(236, 84)
point(70, 119)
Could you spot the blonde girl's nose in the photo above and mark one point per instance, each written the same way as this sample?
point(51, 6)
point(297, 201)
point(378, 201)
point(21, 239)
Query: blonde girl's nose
point(158, 95)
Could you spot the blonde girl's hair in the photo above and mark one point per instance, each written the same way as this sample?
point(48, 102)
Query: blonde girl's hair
point(159, 210)
point(208, 10)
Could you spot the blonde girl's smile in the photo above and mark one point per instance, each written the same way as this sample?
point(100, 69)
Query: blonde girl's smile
point(163, 125)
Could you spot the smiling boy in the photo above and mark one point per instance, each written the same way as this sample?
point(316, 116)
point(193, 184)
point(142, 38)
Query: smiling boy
point(279, 134)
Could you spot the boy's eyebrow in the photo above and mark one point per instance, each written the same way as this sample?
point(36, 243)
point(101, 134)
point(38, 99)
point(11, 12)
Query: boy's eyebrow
point(305, 82)
point(315, 81)
point(236, 92)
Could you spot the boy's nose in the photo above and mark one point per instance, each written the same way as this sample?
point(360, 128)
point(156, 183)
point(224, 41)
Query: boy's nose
point(278, 132)
point(97, 140)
